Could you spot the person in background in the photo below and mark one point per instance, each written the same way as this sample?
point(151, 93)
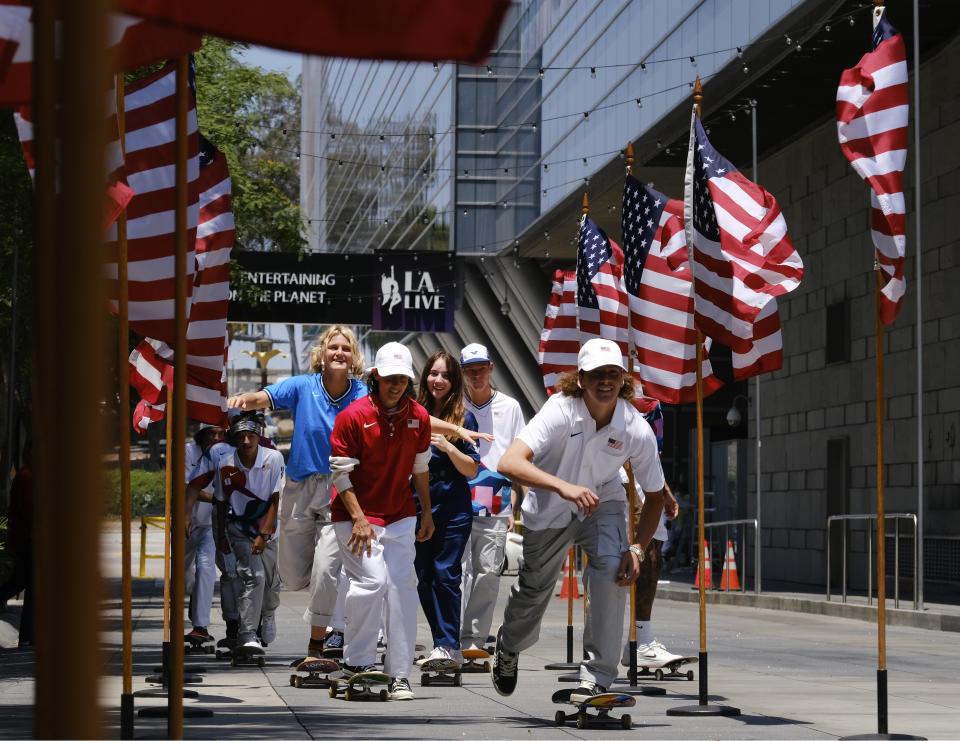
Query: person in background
point(494, 508)
point(451, 465)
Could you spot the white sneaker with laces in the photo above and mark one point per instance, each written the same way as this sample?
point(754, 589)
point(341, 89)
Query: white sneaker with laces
point(268, 629)
point(654, 654)
point(400, 689)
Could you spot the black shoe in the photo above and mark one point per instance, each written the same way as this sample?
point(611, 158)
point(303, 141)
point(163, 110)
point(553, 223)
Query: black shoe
point(504, 668)
point(349, 670)
point(233, 628)
point(586, 690)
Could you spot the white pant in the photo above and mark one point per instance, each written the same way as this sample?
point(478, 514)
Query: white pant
point(482, 563)
point(259, 588)
point(337, 621)
point(199, 557)
point(386, 575)
point(308, 550)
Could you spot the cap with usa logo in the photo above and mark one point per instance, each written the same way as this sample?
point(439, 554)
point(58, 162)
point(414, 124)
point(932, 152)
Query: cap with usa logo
point(599, 352)
point(393, 359)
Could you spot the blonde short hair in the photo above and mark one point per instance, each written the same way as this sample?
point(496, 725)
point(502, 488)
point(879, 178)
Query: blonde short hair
point(319, 350)
point(567, 384)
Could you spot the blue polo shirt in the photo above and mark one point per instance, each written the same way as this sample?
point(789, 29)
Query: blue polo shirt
point(314, 412)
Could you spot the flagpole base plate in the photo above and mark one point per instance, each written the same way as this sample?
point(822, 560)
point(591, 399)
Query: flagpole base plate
point(690, 710)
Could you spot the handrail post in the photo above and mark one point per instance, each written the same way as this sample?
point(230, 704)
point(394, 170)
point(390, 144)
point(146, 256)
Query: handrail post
point(829, 523)
point(143, 547)
point(756, 556)
point(869, 562)
point(844, 593)
point(916, 582)
point(896, 562)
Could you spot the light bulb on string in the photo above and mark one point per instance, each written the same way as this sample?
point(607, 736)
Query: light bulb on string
point(545, 167)
point(643, 66)
point(586, 114)
point(740, 52)
point(853, 22)
point(333, 136)
point(733, 116)
point(382, 137)
point(541, 73)
point(430, 136)
point(483, 132)
point(693, 61)
point(639, 102)
point(746, 69)
point(489, 70)
point(788, 40)
point(593, 73)
point(827, 28)
point(799, 47)
point(584, 161)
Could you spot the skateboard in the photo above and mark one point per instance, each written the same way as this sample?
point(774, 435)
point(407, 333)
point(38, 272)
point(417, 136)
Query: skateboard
point(336, 654)
point(365, 684)
point(247, 656)
point(477, 660)
point(670, 670)
point(197, 645)
point(440, 671)
point(225, 647)
point(603, 704)
point(316, 672)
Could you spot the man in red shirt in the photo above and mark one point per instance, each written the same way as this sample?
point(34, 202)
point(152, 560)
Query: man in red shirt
point(377, 443)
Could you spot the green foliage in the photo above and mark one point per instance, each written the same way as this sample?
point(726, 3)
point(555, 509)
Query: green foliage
point(147, 491)
point(253, 117)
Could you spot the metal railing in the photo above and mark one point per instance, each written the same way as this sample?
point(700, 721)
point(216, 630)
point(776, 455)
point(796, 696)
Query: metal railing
point(158, 522)
point(896, 516)
point(725, 524)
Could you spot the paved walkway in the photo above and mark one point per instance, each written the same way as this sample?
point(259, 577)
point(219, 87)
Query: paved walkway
point(793, 675)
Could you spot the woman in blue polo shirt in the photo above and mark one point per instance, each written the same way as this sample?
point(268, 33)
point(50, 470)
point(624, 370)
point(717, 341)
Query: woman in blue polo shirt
point(452, 464)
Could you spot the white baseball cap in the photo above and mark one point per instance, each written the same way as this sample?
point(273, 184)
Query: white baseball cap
point(474, 353)
point(599, 352)
point(393, 359)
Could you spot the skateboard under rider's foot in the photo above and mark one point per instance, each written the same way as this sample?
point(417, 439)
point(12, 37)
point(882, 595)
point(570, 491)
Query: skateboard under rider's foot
point(601, 704)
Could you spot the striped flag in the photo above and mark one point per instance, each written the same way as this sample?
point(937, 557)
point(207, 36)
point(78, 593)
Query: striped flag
point(560, 338)
point(133, 42)
point(660, 299)
point(149, 139)
point(872, 114)
point(601, 300)
point(765, 353)
point(737, 244)
point(145, 413)
point(151, 362)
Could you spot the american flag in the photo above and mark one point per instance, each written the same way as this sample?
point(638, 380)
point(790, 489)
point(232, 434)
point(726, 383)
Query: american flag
point(145, 413)
point(601, 300)
point(738, 245)
point(766, 346)
point(149, 140)
point(872, 113)
point(560, 338)
point(151, 362)
point(660, 299)
point(133, 42)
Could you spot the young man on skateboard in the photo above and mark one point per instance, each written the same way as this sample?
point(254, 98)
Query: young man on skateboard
point(247, 477)
point(377, 443)
point(570, 455)
point(501, 416)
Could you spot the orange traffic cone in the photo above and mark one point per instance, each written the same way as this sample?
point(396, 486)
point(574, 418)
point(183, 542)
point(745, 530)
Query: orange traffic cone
point(706, 569)
point(569, 583)
point(729, 578)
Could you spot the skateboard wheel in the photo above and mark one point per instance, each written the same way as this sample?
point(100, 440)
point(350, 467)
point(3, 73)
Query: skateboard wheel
point(425, 680)
point(659, 675)
point(457, 680)
point(333, 689)
point(581, 721)
point(261, 661)
point(208, 649)
point(486, 666)
point(292, 680)
point(626, 722)
point(349, 693)
point(689, 675)
point(560, 718)
point(383, 695)
point(298, 681)
point(233, 661)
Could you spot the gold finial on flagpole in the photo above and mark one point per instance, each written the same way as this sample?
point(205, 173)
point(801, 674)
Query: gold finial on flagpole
point(629, 158)
point(698, 96)
point(586, 205)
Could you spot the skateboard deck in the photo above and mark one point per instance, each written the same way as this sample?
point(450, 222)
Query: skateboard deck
point(333, 653)
point(225, 647)
point(440, 671)
point(476, 660)
point(247, 656)
point(197, 645)
point(670, 670)
point(365, 684)
point(312, 672)
point(600, 704)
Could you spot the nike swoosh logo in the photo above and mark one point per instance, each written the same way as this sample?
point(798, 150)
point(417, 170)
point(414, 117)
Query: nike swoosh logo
point(369, 425)
point(574, 434)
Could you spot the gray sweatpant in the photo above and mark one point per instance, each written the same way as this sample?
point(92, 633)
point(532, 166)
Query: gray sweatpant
point(604, 540)
point(482, 562)
point(259, 587)
point(308, 550)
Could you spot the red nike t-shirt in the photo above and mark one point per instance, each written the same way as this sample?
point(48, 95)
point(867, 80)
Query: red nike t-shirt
point(386, 445)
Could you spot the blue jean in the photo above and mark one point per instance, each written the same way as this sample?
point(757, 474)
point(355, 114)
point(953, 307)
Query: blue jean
point(439, 575)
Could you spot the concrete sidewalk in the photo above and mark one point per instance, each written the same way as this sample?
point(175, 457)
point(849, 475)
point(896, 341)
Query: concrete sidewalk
point(792, 674)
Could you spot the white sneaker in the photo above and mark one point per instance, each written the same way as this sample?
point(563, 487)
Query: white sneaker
point(442, 652)
point(253, 643)
point(268, 629)
point(400, 689)
point(654, 654)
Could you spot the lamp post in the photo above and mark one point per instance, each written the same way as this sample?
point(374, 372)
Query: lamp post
point(264, 352)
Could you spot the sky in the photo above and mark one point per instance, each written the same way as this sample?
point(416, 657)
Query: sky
point(274, 60)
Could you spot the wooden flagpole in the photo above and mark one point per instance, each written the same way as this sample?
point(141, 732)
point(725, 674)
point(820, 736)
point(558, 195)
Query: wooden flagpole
point(703, 707)
point(123, 389)
point(881, 526)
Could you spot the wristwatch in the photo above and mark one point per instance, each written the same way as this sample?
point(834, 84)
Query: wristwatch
point(638, 551)
point(266, 537)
